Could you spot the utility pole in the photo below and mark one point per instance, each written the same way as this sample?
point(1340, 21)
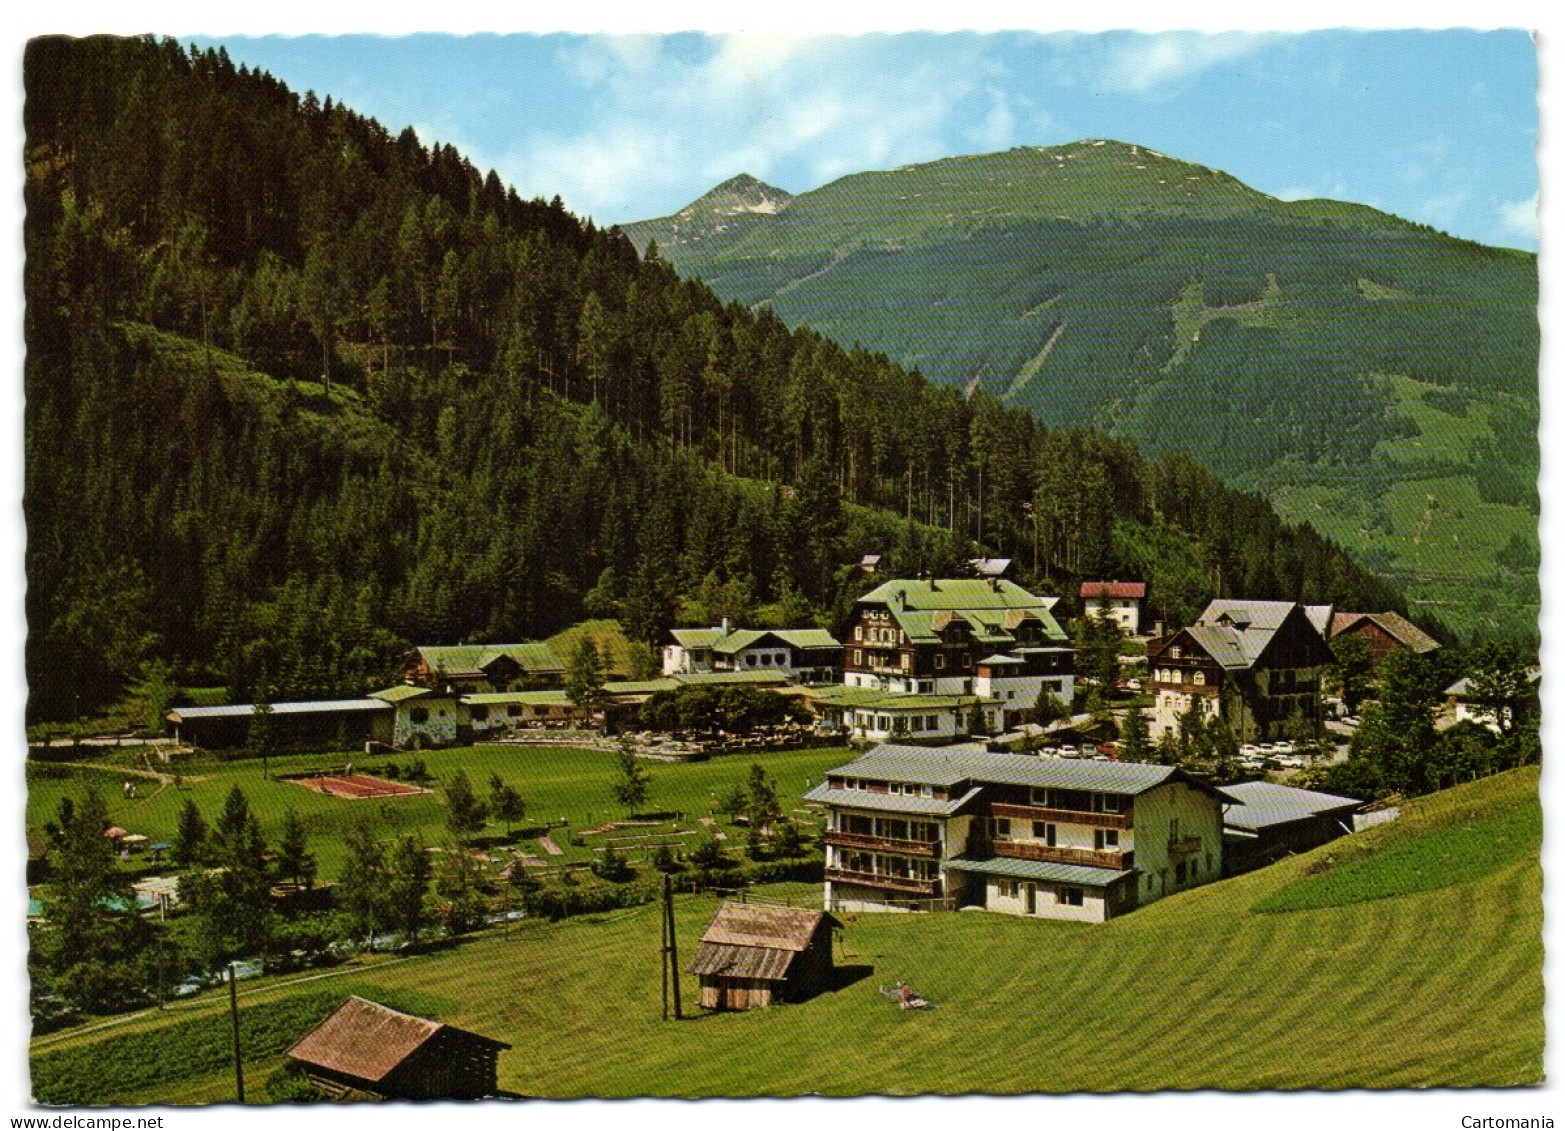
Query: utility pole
point(233, 1010)
point(672, 969)
point(663, 953)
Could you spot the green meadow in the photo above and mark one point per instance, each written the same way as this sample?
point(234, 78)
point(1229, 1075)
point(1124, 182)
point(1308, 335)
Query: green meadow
point(1398, 966)
point(557, 784)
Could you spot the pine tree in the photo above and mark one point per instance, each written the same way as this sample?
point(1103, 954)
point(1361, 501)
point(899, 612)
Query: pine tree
point(190, 840)
point(406, 888)
point(294, 859)
point(634, 784)
point(363, 883)
point(465, 810)
point(1133, 742)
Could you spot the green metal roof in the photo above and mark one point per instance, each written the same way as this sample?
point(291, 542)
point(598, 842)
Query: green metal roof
point(696, 637)
point(640, 687)
point(759, 676)
point(551, 698)
point(736, 640)
point(1048, 871)
point(401, 693)
point(955, 594)
point(471, 659)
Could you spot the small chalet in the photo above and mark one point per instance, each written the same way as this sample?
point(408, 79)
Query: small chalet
point(803, 655)
point(1263, 821)
point(753, 954)
point(463, 669)
point(1120, 601)
point(1383, 633)
point(1254, 664)
point(366, 1051)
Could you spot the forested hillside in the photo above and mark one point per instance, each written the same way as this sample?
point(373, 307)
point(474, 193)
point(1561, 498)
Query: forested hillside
point(1372, 376)
point(302, 392)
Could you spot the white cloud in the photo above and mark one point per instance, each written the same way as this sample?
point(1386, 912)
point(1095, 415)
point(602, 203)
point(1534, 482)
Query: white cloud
point(1146, 62)
point(775, 106)
point(1444, 210)
point(1520, 219)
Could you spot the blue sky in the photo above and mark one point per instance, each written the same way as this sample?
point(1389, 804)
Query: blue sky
point(1436, 126)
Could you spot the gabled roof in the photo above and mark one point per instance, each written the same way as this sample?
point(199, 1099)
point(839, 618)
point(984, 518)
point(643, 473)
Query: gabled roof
point(1320, 617)
point(1113, 590)
point(469, 660)
point(1236, 633)
point(944, 767)
point(1258, 804)
point(401, 693)
point(1459, 688)
point(962, 594)
point(368, 1041)
point(738, 639)
point(1395, 625)
point(757, 924)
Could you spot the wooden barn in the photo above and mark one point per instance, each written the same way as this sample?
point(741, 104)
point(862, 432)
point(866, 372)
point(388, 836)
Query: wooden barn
point(752, 955)
point(366, 1051)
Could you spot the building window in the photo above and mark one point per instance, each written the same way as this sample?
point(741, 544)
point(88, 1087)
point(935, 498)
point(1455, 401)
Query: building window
point(419, 714)
point(927, 791)
point(1044, 831)
point(1112, 802)
point(1071, 897)
point(1002, 828)
point(940, 661)
point(1179, 872)
point(858, 633)
point(513, 711)
point(858, 657)
point(1105, 838)
point(479, 714)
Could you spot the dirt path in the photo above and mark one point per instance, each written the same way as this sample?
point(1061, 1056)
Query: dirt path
point(203, 1004)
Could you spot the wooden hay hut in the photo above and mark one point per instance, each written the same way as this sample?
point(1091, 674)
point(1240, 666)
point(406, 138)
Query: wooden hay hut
point(366, 1051)
point(752, 954)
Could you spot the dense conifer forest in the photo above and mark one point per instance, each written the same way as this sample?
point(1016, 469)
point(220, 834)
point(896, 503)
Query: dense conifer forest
point(302, 392)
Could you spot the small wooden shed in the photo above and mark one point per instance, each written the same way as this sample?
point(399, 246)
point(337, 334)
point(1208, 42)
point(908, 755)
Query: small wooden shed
point(753, 954)
point(366, 1050)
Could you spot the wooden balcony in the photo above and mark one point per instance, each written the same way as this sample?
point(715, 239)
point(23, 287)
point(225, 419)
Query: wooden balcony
point(930, 848)
point(891, 883)
point(1123, 820)
point(1184, 846)
point(1206, 689)
point(1021, 850)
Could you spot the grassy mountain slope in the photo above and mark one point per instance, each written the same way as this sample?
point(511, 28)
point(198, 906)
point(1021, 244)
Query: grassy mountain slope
point(1346, 362)
point(1420, 986)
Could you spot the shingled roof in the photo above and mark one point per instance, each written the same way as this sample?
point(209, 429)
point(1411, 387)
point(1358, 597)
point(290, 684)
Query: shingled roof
point(751, 940)
point(1395, 625)
point(368, 1041)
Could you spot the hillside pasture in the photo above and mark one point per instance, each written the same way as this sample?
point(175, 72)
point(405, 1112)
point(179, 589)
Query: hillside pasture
point(1423, 986)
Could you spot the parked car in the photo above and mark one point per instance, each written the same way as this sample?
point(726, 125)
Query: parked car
point(1249, 750)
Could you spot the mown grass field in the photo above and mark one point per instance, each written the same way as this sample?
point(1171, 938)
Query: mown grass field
point(556, 783)
point(1418, 986)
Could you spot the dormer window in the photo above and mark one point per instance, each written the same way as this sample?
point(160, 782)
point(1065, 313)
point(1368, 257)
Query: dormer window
point(1176, 652)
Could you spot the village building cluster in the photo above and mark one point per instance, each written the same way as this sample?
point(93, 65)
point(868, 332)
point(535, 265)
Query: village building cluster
point(922, 670)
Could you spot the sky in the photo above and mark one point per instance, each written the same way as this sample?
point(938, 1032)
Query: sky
point(1435, 126)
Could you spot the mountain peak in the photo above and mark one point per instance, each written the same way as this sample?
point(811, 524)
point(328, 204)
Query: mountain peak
point(738, 195)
